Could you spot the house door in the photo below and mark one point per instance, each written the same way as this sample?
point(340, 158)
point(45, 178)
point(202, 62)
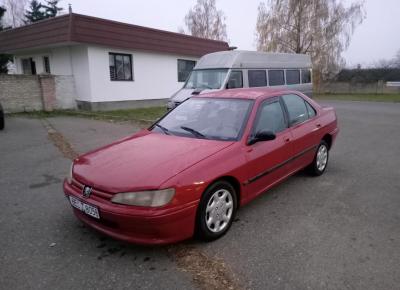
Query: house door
point(28, 66)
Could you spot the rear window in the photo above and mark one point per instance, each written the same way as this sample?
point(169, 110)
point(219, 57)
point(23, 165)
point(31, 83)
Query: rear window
point(305, 76)
point(292, 76)
point(276, 77)
point(257, 78)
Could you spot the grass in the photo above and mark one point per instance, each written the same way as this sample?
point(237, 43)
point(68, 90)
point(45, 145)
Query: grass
point(140, 114)
point(360, 97)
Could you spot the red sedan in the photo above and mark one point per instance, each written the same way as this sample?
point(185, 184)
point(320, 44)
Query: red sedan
point(189, 172)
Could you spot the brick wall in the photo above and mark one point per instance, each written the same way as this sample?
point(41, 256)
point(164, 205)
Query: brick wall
point(24, 93)
point(19, 93)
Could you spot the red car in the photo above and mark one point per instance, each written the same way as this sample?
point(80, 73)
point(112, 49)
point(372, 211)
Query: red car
point(189, 172)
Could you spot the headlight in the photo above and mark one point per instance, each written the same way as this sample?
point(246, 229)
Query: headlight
point(69, 176)
point(151, 198)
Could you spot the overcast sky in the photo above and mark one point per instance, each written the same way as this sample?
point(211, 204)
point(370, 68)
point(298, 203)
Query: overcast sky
point(376, 38)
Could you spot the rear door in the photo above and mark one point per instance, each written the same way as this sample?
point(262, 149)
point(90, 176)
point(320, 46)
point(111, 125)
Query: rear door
point(303, 126)
point(267, 160)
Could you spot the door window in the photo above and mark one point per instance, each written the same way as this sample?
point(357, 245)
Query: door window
point(296, 108)
point(311, 110)
point(270, 118)
point(235, 80)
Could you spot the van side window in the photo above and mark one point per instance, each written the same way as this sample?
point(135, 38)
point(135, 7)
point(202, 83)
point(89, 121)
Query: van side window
point(305, 76)
point(235, 80)
point(276, 77)
point(257, 78)
point(292, 76)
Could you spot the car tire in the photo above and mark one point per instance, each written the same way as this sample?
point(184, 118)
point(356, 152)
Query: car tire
point(216, 211)
point(1, 118)
point(320, 162)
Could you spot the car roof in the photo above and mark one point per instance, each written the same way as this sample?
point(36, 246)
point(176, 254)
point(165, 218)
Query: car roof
point(247, 93)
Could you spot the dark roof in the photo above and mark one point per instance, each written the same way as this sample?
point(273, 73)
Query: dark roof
point(76, 28)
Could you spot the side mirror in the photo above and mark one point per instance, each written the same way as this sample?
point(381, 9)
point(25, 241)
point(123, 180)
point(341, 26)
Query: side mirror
point(262, 136)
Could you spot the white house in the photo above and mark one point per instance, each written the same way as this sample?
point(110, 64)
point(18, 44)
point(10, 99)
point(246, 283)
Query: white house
point(109, 64)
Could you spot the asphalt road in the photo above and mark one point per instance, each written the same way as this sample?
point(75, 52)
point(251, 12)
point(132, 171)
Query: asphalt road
point(337, 231)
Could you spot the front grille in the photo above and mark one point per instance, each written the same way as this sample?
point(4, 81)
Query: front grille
point(98, 193)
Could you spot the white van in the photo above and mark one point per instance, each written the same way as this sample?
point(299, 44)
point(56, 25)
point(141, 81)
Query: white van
point(246, 69)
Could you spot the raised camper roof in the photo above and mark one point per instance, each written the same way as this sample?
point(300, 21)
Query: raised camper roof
point(253, 59)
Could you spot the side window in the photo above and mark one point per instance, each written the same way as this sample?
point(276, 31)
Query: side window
point(120, 67)
point(305, 76)
point(184, 69)
point(257, 78)
point(46, 64)
point(270, 118)
point(296, 108)
point(276, 77)
point(235, 80)
point(310, 110)
point(292, 76)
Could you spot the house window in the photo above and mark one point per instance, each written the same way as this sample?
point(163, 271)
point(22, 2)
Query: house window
point(185, 67)
point(120, 67)
point(46, 64)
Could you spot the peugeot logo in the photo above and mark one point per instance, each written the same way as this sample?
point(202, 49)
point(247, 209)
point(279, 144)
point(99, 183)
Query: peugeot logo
point(87, 191)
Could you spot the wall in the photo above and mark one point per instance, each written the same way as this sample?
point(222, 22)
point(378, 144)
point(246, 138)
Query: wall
point(357, 88)
point(19, 93)
point(24, 93)
point(155, 76)
point(60, 60)
point(81, 72)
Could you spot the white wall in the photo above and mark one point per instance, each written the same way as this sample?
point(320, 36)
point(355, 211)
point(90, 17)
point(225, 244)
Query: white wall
point(59, 57)
point(155, 76)
point(81, 72)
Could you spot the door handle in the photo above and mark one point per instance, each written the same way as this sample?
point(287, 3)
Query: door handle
point(318, 125)
point(287, 139)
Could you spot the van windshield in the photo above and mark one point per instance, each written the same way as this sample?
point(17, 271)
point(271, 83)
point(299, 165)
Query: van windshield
point(206, 79)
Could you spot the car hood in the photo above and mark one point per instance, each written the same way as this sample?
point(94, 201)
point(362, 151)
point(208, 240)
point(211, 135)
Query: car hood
point(143, 161)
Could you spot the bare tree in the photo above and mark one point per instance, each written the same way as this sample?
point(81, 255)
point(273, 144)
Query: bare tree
point(205, 21)
point(320, 28)
point(15, 12)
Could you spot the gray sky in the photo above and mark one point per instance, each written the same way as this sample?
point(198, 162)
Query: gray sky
point(376, 38)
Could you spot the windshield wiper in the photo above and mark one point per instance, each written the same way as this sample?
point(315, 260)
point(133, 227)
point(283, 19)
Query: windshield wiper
point(165, 130)
point(193, 131)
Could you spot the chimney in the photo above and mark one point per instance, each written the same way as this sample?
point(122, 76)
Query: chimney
point(69, 8)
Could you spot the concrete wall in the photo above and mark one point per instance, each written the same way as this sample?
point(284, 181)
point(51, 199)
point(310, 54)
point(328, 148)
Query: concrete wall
point(155, 76)
point(24, 93)
point(357, 88)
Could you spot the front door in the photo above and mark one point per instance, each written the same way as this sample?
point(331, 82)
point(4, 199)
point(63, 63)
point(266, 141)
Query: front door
point(267, 161)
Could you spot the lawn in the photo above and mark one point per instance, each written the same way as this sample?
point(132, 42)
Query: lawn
point(147, 115)
point(360, 97)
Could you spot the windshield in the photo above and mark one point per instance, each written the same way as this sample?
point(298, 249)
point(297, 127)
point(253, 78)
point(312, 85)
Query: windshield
point(207, 118)
point(206, 79)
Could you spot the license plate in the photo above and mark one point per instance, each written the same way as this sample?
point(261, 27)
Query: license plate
point(86, 208)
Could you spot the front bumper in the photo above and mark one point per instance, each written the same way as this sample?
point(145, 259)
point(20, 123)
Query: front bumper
point(133, 224)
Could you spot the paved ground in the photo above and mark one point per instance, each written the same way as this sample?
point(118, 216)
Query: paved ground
point(337, 231)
